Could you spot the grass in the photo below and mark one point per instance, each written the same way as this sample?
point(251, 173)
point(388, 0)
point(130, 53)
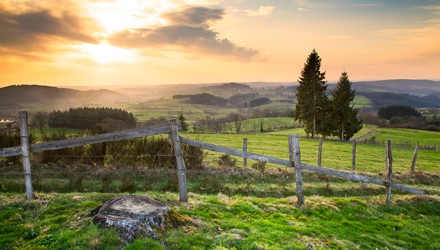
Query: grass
point(409, 136)
point(172, 108)
point(240, 221)
point(337, 155)
point(361, 102)
point(236, 208)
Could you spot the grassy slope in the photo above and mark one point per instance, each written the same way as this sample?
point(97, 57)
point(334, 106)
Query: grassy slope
point(336, 155)
point(60, 221)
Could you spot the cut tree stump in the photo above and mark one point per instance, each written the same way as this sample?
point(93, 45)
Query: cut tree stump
point(138, 216)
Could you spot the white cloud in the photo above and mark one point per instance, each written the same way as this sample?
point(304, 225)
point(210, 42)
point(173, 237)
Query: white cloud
point(302, 9)
point(262, 11)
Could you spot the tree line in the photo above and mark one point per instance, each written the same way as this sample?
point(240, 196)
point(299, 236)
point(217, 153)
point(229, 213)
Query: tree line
point(321, 114)
point(87, 118)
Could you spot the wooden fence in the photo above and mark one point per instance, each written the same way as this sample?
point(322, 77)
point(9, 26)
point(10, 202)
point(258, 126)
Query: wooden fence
point(172, 129)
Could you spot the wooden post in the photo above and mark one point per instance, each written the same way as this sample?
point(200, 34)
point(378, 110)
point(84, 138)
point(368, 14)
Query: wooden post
point(9, 128)
point(353, 156)
point(414, 159)
point(295, 159)
point(319, 152)
point(244, 150)
point(181, 170)
point(24, 134)
point(389, 172)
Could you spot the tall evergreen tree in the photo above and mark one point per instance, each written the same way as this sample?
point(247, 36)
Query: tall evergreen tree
point(344, 116)
point(183, 123)
point(311, 99)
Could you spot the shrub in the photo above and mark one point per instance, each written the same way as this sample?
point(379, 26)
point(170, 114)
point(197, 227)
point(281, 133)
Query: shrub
point(106, 181)
point(260, 166)
point(75, 182)
point(193, 157)
point(127, 184)
point(227, 161)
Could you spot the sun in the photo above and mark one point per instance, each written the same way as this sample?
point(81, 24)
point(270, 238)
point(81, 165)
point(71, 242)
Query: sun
point(105, 53)
point(118, 15)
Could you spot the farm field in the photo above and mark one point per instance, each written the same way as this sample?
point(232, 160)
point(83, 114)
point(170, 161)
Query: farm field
point(409, 136)
point(172, 108)
point(234, 207)
point(336, 155)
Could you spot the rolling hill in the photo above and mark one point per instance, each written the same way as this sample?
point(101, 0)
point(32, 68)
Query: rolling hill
point(17, 97)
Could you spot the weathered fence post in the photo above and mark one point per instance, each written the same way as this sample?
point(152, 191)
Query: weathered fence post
point(9, 128)
point(414, 159)
point(389, 170)
point(295, 159)
point(24, 134)
point(353, 156)
point(244, 150)
point(319, 152)
point(181, 170)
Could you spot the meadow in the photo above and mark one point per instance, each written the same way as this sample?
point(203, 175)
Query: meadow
point(336, 155)
point(235, 207)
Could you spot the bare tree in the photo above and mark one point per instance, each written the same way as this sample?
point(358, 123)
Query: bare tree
point(40, 120)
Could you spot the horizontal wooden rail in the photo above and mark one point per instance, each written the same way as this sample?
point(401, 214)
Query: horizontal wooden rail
point(114, 136)
point(322, 170)
point(235, 152)
point(358, 177)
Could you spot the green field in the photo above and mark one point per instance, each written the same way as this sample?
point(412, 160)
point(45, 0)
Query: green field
point(237, 209)
point(409, 136)
point(337, 155)
point(361, 102)
point(171, 108)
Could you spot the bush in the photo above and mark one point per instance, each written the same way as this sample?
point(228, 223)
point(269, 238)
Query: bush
point(193, 157)
point(128, 184)
point(260, 166)
point(106, 181)
point(227, 161)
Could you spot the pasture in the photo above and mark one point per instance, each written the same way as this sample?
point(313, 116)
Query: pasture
point(234, 207)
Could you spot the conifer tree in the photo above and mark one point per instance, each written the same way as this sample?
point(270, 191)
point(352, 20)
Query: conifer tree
point(312, 102)
point(183, 123)
point(344, 116)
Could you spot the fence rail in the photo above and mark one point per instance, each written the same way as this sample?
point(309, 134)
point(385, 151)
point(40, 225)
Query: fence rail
point(172, 129)
point(287, 163)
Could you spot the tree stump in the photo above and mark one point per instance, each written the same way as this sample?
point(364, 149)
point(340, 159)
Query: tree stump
point(137, 216)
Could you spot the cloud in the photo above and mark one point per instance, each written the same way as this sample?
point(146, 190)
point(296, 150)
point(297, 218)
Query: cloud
point(367, 5)
point(302, 9)
point(188, 31)
point(262, 11)
point(195, 16)
point(30, 30)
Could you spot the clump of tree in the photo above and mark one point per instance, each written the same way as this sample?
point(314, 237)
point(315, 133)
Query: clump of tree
point(87, 118)
point(259, 102)
point(203, 98)
point(319, 113)
point(397, 111)
point(407, 117)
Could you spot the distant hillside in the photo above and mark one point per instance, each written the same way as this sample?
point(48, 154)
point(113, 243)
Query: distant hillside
point(228, 89)
point(204, 98)
point(29, 96)
point(22, 95)
point(382, 99)
point(413, 87)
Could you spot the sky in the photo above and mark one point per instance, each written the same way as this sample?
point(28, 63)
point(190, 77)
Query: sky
point(138, 42)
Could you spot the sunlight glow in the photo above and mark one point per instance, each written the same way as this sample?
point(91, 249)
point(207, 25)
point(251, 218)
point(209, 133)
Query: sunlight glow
point(128, 14)
point(105, 53)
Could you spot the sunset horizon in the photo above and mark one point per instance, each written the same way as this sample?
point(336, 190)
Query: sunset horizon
point(144, 43)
